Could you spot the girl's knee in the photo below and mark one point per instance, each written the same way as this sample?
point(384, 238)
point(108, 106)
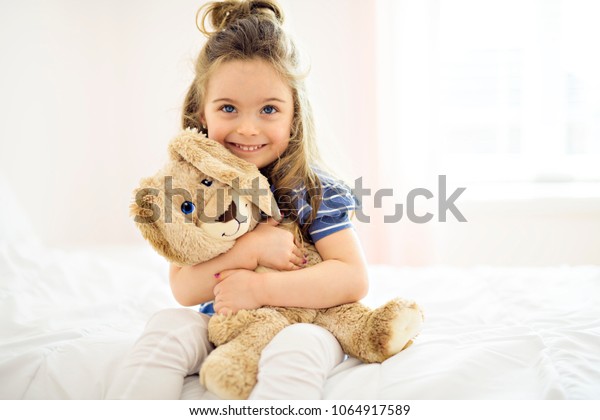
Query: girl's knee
point(308, 334)
point(296, 363)
point(308, 340)
point(178, 327)
point(174, 318)
point(176, 338)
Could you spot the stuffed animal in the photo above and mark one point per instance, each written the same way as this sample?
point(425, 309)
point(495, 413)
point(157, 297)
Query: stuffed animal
point(194, 209)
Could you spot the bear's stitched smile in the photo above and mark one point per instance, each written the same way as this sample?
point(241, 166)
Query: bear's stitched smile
point(229, 215)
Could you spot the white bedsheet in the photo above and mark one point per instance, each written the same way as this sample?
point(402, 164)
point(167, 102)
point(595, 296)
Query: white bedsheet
point(68, 317)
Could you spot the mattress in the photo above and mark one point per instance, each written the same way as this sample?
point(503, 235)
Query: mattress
point(70, 316)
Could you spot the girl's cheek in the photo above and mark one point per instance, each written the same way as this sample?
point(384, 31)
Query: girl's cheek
point(221, 140)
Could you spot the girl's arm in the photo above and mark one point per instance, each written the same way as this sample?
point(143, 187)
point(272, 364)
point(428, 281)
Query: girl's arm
point(341, 278)
point(266, 245)
point(192, 285)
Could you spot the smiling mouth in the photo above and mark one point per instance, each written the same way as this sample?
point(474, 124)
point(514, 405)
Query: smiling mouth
point(247, 148)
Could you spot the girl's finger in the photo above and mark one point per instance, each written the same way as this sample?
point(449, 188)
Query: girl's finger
point(298, 261)
point(298, 253)
point(226, 311)
point(223, 275)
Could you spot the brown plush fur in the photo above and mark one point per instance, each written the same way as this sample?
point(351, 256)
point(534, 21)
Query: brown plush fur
point(230, 370)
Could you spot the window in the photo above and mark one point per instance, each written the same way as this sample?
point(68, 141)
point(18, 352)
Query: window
point(510, 90)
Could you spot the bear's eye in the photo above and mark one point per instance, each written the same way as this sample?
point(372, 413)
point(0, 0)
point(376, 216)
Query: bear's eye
point(187, 207)
point(207, 182)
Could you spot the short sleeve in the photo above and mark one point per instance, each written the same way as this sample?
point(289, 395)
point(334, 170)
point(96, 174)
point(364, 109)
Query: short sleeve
point(207, 308)
point(334, 211)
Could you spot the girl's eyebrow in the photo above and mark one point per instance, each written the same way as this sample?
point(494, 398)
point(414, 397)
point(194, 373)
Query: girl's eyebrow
point(224, 100)
point(274, 99)
point(265, 100)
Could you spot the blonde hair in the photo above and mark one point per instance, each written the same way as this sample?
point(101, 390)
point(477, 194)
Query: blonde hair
point(246, 30)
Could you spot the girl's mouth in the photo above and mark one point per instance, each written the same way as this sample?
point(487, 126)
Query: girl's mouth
point(244, 148)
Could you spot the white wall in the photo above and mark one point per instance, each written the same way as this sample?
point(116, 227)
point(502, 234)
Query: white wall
point(538, 232)
point(91, 94)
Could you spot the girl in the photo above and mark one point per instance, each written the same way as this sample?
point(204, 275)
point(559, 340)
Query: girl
point(248, 96)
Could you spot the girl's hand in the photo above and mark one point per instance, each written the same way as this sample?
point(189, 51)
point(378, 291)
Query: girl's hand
point(235, 290)
point(274, 247)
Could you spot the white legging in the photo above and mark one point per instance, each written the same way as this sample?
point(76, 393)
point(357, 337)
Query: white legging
point(174, 344)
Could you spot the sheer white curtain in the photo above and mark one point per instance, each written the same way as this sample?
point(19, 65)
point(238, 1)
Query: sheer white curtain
point(498, 90)
point(488, 93)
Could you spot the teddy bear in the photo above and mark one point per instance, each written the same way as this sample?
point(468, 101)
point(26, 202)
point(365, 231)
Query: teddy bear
point(194, 208)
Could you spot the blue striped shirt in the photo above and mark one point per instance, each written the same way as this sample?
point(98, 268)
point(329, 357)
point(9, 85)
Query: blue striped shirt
point(333, 215)
point(334, 211)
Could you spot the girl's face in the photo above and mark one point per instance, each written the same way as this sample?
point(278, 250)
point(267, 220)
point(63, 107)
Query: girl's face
point(249, 110)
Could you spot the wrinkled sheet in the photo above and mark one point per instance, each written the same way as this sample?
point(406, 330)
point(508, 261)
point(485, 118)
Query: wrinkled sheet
point(69, 317)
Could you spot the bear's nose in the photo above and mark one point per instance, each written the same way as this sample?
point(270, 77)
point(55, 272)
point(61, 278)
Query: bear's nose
point(229, 214)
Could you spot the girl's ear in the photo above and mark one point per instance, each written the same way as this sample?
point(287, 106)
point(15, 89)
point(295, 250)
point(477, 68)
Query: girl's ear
point(203, 126)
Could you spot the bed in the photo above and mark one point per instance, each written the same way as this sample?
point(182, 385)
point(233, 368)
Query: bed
point(69, 317)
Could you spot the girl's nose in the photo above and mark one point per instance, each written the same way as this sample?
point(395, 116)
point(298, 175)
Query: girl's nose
point(247, 127)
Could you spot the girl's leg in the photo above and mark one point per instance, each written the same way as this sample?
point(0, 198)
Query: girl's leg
point(296, 363)
point(173, 345)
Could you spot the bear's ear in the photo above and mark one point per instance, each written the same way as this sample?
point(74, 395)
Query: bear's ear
point(214, 160)
point(146, 211)
point(208, 156)
point(144, 208)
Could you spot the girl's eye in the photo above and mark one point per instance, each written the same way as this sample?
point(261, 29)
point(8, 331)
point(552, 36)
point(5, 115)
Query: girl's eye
point(228, 108)
point(206, 182)
point(269, 109)
point(187, 207)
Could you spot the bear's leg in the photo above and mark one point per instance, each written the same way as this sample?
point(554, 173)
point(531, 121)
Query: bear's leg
point(373, 335)
point(230, 370)
point(224, 328)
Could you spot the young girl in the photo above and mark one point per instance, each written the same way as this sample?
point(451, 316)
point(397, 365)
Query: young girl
point(248, 96)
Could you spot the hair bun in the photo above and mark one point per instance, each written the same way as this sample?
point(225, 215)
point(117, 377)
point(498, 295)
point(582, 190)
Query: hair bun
point(223, 13)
